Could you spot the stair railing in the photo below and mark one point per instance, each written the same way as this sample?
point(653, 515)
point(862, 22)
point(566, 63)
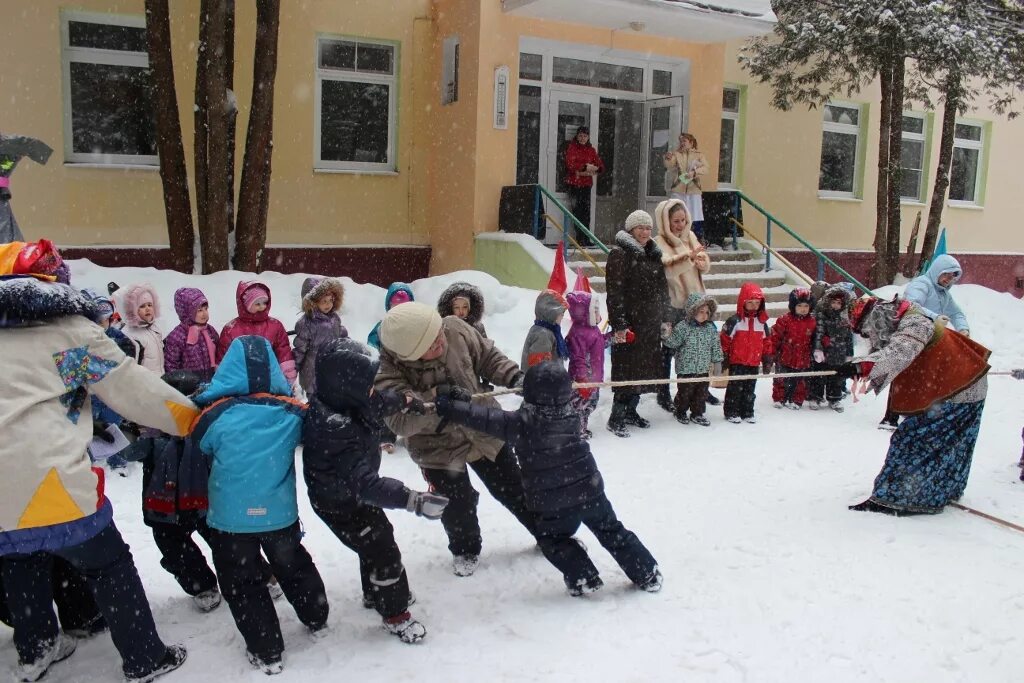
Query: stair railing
point(772, 220)
point(569, 219)
point(569, 238)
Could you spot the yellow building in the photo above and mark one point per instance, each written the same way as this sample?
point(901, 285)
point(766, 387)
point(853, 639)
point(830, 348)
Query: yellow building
point(398, 123)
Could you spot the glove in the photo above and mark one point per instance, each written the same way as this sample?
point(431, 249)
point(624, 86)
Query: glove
point(819, 355)
point(851, 370)
point(767, 364)
point(99, 431)
point(1017, 374)
point(413, 406)
point(454, 392)
point(585, 393)
point(517, 381)
point(429, 505)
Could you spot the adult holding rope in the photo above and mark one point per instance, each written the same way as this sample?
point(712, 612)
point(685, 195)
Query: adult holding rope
point(423, 355)
point(685, 261)
point(937, 378)
point(638, 310)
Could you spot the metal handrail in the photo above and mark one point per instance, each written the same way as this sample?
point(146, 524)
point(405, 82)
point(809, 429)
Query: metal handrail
point(575, 243)
point(543, 191)
point(786, 262)
point(822, 258)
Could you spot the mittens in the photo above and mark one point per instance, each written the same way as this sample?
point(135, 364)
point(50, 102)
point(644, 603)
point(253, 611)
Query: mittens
point(414, 406)
point(819, 355)
point(429, 505)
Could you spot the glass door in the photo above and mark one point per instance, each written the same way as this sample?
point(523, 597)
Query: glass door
point(664, 123)
point(566, 113)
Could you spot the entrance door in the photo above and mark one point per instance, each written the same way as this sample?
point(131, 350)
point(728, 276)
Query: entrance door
point(567, 112)
point(663, 122)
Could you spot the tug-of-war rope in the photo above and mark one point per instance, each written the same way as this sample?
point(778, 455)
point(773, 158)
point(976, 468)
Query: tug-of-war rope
point(860, 386)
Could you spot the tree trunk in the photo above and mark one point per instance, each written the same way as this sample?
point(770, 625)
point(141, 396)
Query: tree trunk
point(881, 242)
point(229, 57)
point(173, 175)
point(894, 222)
point(254, 195)
point(215, 256)
point(931, 231)
point(202, 129)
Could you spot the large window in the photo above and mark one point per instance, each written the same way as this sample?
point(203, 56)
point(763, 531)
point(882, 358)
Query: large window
point(108, 100)
point(965, 177)
point(598, 74)
point(355, 108)
point(840, 144)
point(528, 139)
point(913, 154)
point(728, 144)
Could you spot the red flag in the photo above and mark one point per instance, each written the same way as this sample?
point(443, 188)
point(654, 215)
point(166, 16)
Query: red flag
point(582, 282)
point(557, 282)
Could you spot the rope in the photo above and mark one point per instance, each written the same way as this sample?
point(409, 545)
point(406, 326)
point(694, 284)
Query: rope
point(991, 518)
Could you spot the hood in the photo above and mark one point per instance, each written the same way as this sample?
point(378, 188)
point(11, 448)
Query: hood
point(315, 287)
point(839, 291)
point(476, 301)
point(187, 302)
point(695, 301)
point(628, 243)
point(749, 291)
point(819, 288)
point(244, 314)
point(550, 304)
point(801, 295)
point(944, 263)
point(104, 305)
point(394, 288)
point(27, 301)
point(248, 367)
point(345, 370)
point(584, 309)
point(662, 223)
point(547, 384)
point(131, 298)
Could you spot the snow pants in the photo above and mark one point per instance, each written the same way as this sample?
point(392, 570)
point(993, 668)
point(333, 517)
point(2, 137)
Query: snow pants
point(243, 583)
point(825, 388)
point(790, 389)
point(367, 531)
point(181, 556)
point(106, 563)
point(76, 608)
point(691, 396)
point(739, 395)
point(502, 478)
point(585, 407)
point(555, 535)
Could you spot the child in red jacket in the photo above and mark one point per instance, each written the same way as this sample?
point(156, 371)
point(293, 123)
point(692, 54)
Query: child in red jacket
point(253, 301)
point(747, 345)
point(792, 343)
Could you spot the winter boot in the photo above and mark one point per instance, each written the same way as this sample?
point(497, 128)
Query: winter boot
point(887, 425)
point(665, 398)
point(207, 601)
point(735, 419)
point(836, 406)
point(813, 403)
point(711, 399)
point(270, 665)
point(682, 419)
point(700, 420)
point(617, 420)
point(779, 404)
point(319, 631)
point(62, 647)
point(173, 658)
point(652, 584)
point(632, 417)
point(750, 420)
point(584, 586)
point(794, 406)
point(406, 628)
point(465, 565)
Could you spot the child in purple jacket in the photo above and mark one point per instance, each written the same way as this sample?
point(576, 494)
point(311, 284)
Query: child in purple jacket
point(586, 353)
point(319, 324)
point(192, 345)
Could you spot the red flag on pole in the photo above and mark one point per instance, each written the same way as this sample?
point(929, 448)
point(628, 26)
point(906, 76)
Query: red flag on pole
point(582, 282)
point(557, 282)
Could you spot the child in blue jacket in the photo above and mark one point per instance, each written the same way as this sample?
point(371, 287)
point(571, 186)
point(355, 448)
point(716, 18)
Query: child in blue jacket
point(250, 428)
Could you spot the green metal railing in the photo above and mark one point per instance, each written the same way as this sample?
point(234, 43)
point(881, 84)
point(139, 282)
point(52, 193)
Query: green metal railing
point(568, 219)
point(772, 220)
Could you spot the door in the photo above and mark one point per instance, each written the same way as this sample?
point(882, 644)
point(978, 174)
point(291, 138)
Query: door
point(566, 113)
point(663, 122)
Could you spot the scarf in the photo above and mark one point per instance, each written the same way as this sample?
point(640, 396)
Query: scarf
point(563, 348)
point(193, 338)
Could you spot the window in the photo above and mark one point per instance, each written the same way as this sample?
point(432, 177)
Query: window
point(661, 82)
point(531, 66)
point(912, 157)
point(728, 144)
point(528, 139)
point(450, 70)
point(355, 108)
point(108, 100)
point(840, 144)
point(597, 74)
point(965, 177)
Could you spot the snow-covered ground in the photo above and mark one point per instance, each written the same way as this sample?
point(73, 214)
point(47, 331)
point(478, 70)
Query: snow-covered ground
point(768, 577)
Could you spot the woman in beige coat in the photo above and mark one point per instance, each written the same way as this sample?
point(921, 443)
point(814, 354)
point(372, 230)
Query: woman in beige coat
point(685, 261)
point(689, 167)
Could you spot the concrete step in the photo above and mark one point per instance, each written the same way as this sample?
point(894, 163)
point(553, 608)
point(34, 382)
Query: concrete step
point(773, 278)
point(729, 255)
point(775, 309)
point(735, 266)
point(728, 297)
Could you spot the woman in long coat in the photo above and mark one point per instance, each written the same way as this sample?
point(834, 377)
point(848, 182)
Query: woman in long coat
point(638, 310)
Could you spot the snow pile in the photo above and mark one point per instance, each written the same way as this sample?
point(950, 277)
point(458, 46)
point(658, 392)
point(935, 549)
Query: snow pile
point(768, 577)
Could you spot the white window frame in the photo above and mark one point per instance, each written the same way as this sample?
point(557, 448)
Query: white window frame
point(978, 175)
point(735, 117)
point(87, 55)
point(921, 137)
point(846, 129)
point(390, 167)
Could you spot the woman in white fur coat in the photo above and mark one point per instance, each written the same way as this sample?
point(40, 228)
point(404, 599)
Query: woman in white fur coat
point(686, 261)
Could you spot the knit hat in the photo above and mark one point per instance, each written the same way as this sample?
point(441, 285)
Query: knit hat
point(547, 384)
point(409, 330)
point(637, 219)
point(254, 295)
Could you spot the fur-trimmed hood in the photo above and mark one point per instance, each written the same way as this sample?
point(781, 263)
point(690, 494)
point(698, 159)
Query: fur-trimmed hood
point(130, 300)
point(445, 302)
point(28, 301)
point(313, 288)
point(628, 243)
point(695, 301)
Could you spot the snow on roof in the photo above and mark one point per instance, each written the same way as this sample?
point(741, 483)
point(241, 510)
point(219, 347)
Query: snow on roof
point(755, 9)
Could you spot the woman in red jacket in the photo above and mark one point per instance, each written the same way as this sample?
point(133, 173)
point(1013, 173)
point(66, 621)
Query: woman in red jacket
point(582, 164)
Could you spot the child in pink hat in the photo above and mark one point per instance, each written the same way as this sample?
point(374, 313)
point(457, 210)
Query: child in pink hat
point(253, 301)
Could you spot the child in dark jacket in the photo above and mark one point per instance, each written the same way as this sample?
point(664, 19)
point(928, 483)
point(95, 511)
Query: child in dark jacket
point(833, 346)
point(102, 416)
point(544, 341)
point(560, 477)
point(747, 346)
point(340, 463)
point(586, 354)
point(792, 340)
point(250, 428)
point(192, 345)
point(319, 324)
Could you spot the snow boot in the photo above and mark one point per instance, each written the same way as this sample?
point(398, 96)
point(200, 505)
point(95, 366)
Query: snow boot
point(712, 400)
point(465, 565)
point(207, 601)
point(794, 406)
point(779, 404)
point(617, 420)
point(319, 632)
point(632, 417)
point(750, 420)
point(406, 628)
point(173, 658)
point(700, 420)
point(682, 419)
point(271, 665)
point(814, 403)
point(735, 419)
point(836, 406)
point(584, 586)
point(665, 399)
point(586, 435)
point(62, 647)
point(652, 584)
